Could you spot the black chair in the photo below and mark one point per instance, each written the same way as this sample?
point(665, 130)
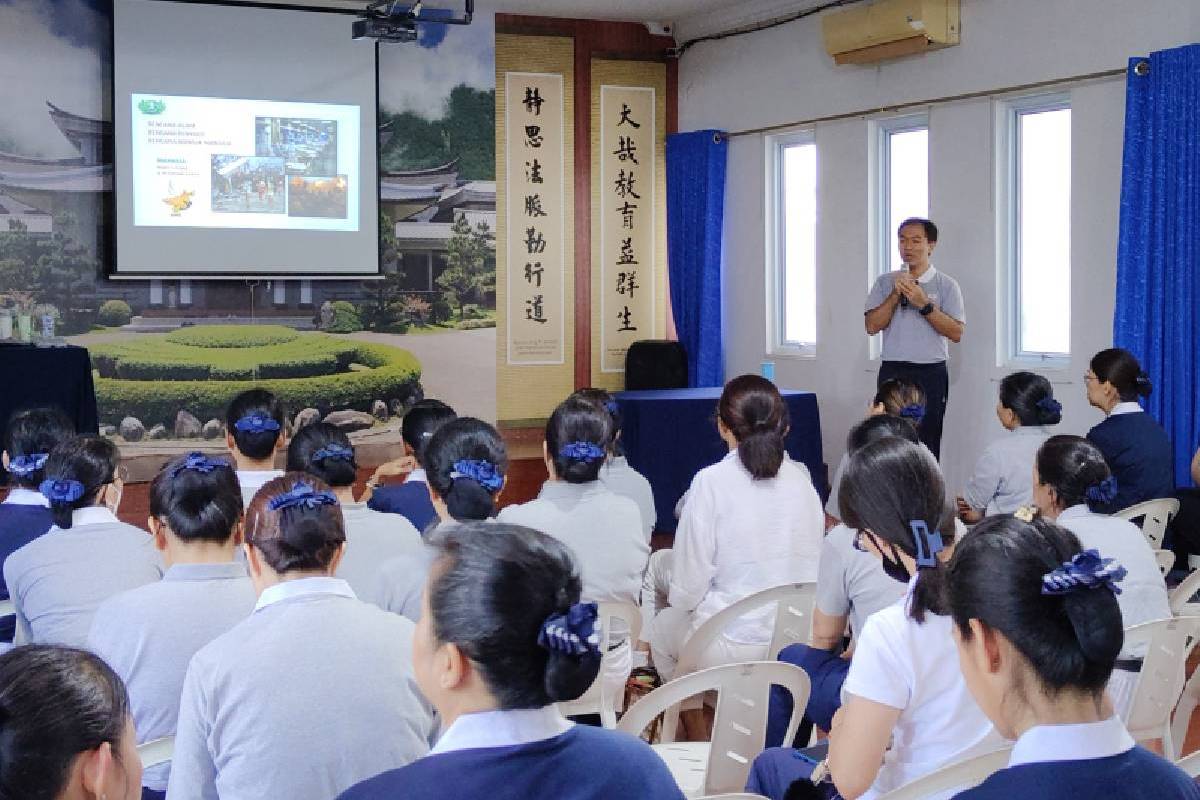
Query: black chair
point(656, 364)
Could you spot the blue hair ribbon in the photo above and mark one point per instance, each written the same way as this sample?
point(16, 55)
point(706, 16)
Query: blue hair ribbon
point(62, 490)
point(335, 451)
point(929, 543)
point(1103, 492)
point(482, 472)
point(914, 411)
point(26, 465)
point(1049, 405)
point(1087, 570)
point(256, 422)
point(302, 495)
point(573, 633)
point(198, 462)
point(582, 451)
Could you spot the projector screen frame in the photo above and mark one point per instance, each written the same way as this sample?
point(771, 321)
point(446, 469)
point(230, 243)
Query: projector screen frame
point(110, 218)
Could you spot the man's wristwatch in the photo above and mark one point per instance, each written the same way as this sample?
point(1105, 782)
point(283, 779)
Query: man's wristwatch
point(927, 309)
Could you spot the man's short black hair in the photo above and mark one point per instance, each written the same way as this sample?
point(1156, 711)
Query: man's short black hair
point(931, 232)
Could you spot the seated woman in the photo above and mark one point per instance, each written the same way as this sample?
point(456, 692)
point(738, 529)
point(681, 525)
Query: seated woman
point(58, 580)
point(149, 634)
point(1069, 474)
point(465, 463)
point(907, 711)
point(1000, 483)
point(616, 473)
point(851, 586)
point(372, 537)
point(65, 728)
point(254, 432)
point(1136, 447)
point(502, 637)
point(313, 664)
point(411, 498)
point(752, 521)
point(1038, 630)
point(895, 397)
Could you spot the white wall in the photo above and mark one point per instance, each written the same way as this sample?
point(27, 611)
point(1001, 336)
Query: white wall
point(783, 74)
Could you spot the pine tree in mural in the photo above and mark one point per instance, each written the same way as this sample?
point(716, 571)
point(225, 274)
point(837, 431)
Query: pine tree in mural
point(471, 265)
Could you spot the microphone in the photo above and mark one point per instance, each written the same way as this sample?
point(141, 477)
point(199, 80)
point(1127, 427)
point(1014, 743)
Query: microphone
point(904, 300)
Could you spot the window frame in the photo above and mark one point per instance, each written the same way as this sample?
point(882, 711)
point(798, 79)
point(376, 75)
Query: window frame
point(776, 316)
point(883, 237)
point(1008, 231)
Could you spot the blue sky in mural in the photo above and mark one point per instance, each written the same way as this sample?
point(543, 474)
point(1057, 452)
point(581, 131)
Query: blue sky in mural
point(420, 78)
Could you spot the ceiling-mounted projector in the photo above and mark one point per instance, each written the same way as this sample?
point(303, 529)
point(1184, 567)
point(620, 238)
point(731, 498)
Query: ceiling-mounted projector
point(392, 21)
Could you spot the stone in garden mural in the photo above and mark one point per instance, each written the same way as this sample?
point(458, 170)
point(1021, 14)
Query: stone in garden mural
point(165, 347)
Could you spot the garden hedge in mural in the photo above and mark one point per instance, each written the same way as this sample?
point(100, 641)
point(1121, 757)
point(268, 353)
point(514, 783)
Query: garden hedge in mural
point(200, 369)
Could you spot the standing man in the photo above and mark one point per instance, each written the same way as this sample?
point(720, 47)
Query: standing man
point(918, 309)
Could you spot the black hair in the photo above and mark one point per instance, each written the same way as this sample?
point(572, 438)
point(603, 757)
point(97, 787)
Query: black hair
point(421, 422)
point(489, 594)
point(90, 460)
point(55, 704)
point(298, 538)
point(1121, 368)
point(897, 394)
point(34, 432)
point(1031, 397)
point(199, 500)
point(464, 439)
point(889, 484)
point(258, 445)
point(315, 440)
point(931, 230)
point(878, 427)
point(1070, 640)
point(1070, 465)
point(754, 412)
point(577, 420)
point(605, 402)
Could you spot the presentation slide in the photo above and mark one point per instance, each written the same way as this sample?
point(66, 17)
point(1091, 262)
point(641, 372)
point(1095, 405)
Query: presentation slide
point(246, 143)
point(207, 162)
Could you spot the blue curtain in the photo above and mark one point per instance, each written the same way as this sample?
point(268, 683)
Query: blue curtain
point(1158, 252)
point(695, 213)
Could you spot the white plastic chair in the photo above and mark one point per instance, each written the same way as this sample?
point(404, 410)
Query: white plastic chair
point(1181, 596)
point(1160, 683)
point(1190, 764)
point(1155, 516)
point(958, 776)
point(1165, 559)
point(739, 726)
point(596, 699)
point(156, 751)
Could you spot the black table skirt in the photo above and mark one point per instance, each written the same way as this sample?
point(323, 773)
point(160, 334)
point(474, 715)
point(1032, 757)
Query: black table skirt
point(48, 376)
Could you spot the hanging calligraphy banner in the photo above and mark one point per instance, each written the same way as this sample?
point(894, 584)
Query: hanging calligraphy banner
point(536, 218)
point(628, 166)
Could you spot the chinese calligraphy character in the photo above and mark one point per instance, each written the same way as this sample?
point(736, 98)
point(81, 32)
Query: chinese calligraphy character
point(627, 283)
point(626, 256)
point(533, 171)
point(626, 212)
point(533, 206)
point(533, 136)
point(533, 272)
point(534, 241)
point(625, 118)
point(626, 149)
point(533, 100)
point(624, 185)
point(534, 311)
point(623, 316)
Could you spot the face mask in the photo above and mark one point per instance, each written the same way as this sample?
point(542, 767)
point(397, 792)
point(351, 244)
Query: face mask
point(895, 569)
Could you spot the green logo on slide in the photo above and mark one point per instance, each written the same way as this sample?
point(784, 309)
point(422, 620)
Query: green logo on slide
point(151, 106)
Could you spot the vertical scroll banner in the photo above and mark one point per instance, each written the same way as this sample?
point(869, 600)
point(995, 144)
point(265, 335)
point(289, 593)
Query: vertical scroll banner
point(628, 166)
point(536, 218)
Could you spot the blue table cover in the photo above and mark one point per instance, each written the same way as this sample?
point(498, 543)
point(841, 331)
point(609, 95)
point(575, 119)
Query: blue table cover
point(671, 434)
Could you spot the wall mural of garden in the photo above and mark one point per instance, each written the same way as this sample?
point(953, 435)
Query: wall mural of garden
point(167, 355)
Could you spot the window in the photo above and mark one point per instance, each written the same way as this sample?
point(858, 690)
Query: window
point(185, 293)
point(279, 293)
point(156, 292)
point(902, 181)
point(1036, 233)
point(306, 293)
point(792, 227)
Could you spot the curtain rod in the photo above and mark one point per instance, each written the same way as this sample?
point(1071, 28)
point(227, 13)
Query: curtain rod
point(1091, 76)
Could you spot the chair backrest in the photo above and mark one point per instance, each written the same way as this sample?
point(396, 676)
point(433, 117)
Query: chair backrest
point(7, 607)
point(960, 775)
point(156, 751)
point(793, 621)
point(1160, 682)
point(1165, 559)
point(1155, 516)
point(1190, 764)
point(596, 700)
point(1181, 596)
point(740, 723)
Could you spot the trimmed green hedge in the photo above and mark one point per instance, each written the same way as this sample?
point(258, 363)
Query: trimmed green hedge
point(154, 358)
point(232, 336)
